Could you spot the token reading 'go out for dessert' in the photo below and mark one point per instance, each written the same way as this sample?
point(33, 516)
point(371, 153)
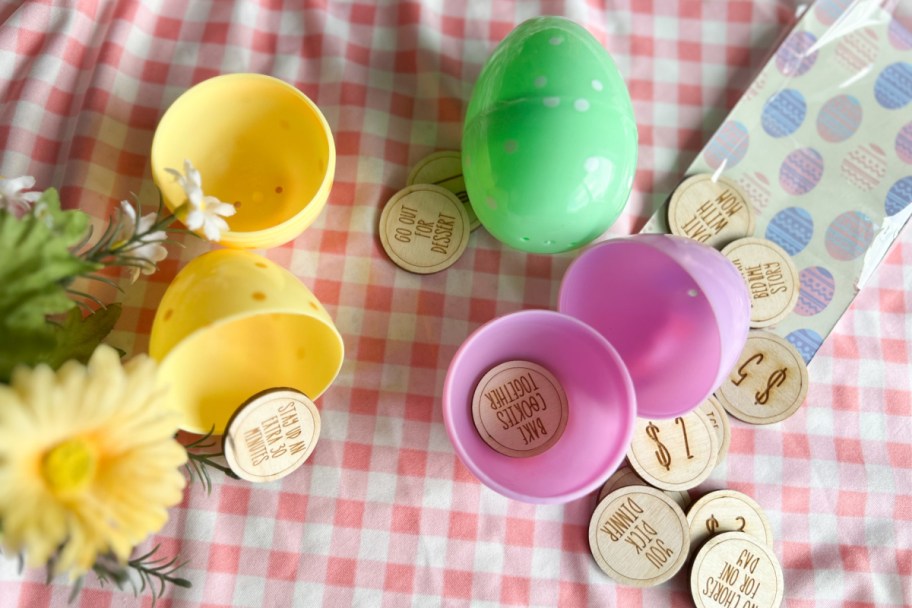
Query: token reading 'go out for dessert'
point(769, 382)
point(674, 454)
point(735, 569)
point(771, 277)
point(424, 228)
point(727, 511)
point(271, 435)
point(444, 169)
point(638, 536)
point(712, 211)
point(520, 409)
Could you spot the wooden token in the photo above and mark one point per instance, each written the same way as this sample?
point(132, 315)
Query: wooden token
point(638, 536)
point(626, 476)
point(769, 382)
point(520, 409)
point(674, 454)
point(424, 228)
point(712, 211)
point(735, 569)
point(271, 435)
point(718, 419)
point(444, 169)
point(727, 511)
point(771, 277)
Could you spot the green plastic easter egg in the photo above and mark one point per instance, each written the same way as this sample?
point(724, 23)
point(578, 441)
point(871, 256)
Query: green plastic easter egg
point(549, 142)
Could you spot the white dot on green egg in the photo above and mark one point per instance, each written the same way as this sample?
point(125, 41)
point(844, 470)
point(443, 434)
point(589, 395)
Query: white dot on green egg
point(540, 82)
point(510, 146)
point(581, 105)
point(597, 85)
point(556, 40)
point(491, 202)
point(591, 165)
point(551, 102)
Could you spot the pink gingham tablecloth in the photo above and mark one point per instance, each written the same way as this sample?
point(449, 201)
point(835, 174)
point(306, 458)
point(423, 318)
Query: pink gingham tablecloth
point(384, 514)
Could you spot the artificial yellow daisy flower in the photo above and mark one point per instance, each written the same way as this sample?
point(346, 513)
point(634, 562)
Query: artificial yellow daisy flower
point(88, 460)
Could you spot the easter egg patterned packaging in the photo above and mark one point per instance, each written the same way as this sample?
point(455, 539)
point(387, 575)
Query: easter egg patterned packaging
point(549, 140)
point(839, 118)
point(821, 146)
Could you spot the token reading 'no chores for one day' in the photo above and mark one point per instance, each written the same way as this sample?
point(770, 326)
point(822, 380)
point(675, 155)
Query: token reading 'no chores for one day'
point(519, 409)
point(424, 228)
point(674, 454)
point(271, 435)
point(712, 211)
point(771, 278)
point(444, 169)
point(769, 382)
point(638, 536)
point(626, 476)
point(727, 511)
point(735, 569)
point(718, 418)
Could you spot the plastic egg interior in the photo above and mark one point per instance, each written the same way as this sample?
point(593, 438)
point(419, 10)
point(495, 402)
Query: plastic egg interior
point(677, 312)
point(259, 144)
point(601, 406)
point(232, 324)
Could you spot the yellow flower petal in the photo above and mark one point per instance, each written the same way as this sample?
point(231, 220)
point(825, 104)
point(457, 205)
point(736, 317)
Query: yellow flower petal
point(88, 460)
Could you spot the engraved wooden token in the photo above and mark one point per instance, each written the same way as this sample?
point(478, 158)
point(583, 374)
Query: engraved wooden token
point(626, 476)
point(727, 511)
point(771, 277)
point(271, 435)
point(520, 409)
point(718, 419)
point(424, 228)
point(638, 536)
point(674, 454)
point(444, 169)
point(735, 569)
point(768, 384)
point(712, 211)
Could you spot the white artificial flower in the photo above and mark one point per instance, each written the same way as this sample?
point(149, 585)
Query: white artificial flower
point(205, 212)
point(12, 197)
point(146, 248)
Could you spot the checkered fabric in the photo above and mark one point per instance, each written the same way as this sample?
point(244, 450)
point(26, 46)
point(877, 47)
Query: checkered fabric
point(384, 514)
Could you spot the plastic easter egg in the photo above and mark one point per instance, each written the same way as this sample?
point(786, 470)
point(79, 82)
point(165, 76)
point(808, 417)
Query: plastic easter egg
point(549, 142)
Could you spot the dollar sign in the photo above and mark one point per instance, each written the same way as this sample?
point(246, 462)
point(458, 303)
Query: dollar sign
point(712, 524)
point(662, 454)
point(775, 379)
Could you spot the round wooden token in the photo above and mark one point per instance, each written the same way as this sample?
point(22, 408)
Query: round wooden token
point(712, 211)
point(638, 536)
point(271, 435)
point(727, 511)
point(444, 169)
point(626, 476)
point(424, 228)
point(735, 569)
point(674, 454)
point(771, 277)
point(769, 382)
point(520, 409)
point(718, 419)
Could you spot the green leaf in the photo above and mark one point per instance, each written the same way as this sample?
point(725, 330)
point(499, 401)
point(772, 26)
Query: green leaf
point(36, 264)
point(78, 337)
point(24, 345)
point(69, 226)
